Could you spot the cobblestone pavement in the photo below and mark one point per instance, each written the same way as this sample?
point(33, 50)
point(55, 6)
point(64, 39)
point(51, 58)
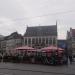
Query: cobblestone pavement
point(33, 69)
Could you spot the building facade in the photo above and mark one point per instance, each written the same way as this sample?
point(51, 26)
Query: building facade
point(71, 41)
point(3, 44)
point(1, 38)
point(41, 36)
point(11, 42)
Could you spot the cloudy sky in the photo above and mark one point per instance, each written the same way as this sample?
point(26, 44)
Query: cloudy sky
point(16, 15)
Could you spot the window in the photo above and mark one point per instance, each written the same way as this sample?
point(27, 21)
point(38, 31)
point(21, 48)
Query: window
point(46, 40)
point(25, 41)
point(29, 41)
point(54, 41)
point(39, 40)
point(33, 41)
point(43, 40)
point(36, 40)
point(50, 41)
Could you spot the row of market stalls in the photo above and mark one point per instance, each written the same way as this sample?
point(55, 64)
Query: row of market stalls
point(24, 49)
point(46, 49)
point(46, 55)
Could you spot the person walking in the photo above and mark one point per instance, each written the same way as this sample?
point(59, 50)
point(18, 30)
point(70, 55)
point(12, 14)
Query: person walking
point(70, 59)
point(70, 56)
point(65, 57)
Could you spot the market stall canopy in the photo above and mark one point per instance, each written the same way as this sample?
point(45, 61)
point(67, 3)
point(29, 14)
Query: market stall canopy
point(25, 48)
point(51, 48)
point(60, 49)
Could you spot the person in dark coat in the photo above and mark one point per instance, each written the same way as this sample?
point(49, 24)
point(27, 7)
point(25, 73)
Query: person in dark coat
point(70, 56)
point(66, 56)
point(70, 59)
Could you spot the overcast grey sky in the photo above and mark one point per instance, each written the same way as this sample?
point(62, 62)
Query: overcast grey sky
point(15, 15)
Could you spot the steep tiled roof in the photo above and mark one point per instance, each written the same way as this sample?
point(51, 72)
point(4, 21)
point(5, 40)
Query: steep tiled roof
point(14, 35)
point(41, 31)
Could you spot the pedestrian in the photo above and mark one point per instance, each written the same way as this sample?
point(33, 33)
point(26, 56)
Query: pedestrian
point(70, 59)
point(70, 56)
point(65, 56)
